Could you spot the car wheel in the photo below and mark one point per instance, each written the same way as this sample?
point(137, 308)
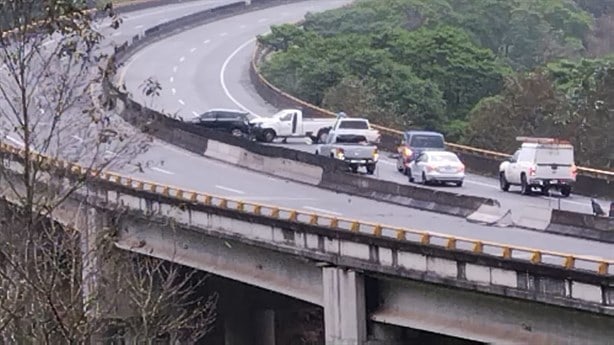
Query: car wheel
point(268, 135)
point(411, 177)
point(236, 132)
point(459, 183)
point(545, 190)
point(424, 180)
point(370, 169)
point(525, 189)
point(505, 186)
point(354, 168)
point(566, 191)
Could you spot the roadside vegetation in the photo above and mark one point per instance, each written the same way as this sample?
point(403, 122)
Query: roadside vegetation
point(482, 72)
point(58, 284)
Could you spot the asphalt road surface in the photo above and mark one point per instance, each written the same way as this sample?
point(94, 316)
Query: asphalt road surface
point(200, 68)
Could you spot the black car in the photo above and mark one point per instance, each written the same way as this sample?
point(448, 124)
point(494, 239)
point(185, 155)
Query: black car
point(235, 122)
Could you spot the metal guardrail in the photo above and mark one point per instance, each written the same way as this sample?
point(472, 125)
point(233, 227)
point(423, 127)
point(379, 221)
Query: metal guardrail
point(601, 174)
point(526, 254)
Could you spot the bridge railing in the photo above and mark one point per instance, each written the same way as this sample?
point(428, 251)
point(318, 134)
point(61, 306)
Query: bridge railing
point(334, 223)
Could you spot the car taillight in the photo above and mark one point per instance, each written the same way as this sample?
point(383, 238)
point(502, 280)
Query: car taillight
point(430, 168)
point(532, 171)
point(461, 168)
point(407, 152)
point(375, 154)
point(339, 153)
point(574, 171)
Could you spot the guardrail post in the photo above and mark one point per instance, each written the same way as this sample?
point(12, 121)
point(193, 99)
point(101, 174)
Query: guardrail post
point(275, 213)
point(257, 210)
point(334, 223)
point(241, 206)
point(293, 216)
point(604, 267)
point(507, 253)
point(570, 262)
point(223, 203)
point(536, 257)
point(208, 200)
point(425, 239)
point(401, 234)
point(451, 243)
point(313, 219)
point(377, 230)
point(355, 227)
point(478, 247)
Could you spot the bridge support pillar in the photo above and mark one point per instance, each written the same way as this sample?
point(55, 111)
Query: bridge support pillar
point(383, 334)
point(345, 317)
point(264, 327)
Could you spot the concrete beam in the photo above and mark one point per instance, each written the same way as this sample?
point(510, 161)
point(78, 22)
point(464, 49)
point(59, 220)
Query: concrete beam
point(345, 318)
point(486, 318)
point(283, 273)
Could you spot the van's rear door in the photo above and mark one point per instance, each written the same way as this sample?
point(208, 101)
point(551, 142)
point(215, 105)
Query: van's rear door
point(554, 162)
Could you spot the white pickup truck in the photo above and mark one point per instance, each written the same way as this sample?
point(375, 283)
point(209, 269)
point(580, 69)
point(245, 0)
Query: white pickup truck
point(290, 123)
point(542, 163)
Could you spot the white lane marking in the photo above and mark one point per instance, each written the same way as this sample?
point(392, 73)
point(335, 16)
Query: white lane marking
point(16, 141)
point(172, 79)
point(192, 50)
point(115, 34)
point(162, 171)
point(182, 59)
point(322, 210)
point(173, 91)
point(206, 41)
point(276, 198)
point(181, 102)
point(228, 189)
point(78, 138)
point(175, 68)
point(223, 34)
point(48, 42)
point(138, 27)
point(262, 20)
point(195, 113)
point(223, 72)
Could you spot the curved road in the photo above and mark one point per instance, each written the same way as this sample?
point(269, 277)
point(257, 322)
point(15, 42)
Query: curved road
point(207, 67)
point(189, 66)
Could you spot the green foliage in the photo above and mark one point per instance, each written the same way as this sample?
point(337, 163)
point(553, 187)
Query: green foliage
point(459, 66)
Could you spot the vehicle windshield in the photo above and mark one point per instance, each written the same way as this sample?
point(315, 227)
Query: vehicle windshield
point(353, 124)
point(444, 158)
point(427, 141)
point(350, 139)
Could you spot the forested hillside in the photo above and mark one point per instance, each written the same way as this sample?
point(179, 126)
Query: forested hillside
point(482, 72)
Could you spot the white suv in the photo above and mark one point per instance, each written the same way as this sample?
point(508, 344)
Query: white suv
point(542, 163)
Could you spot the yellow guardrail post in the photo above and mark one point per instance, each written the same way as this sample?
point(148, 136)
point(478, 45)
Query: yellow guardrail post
point(275, 213)
point(240, 206)
point(334, 223)
point(401, 235)
point(507, 253)
point(193, 197)
point(570, 262)
point(478, 247)
point(603, 268)
point(293, 216)
point(536, 257)
point(355, 227)
point(451, 243)
point(257, 210)
point(425, 238)
point(313, 219)
point(223, 203)
point(377, 230)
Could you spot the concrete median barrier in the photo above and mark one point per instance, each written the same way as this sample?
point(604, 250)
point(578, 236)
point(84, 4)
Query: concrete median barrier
point(406, 195)
point(581, 225)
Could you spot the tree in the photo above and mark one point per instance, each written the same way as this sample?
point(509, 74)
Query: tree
point(51, 63)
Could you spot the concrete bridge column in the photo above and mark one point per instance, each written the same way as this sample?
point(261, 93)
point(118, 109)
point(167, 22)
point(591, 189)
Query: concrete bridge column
point(264, 327)
point(383, 334)
point(345, 317)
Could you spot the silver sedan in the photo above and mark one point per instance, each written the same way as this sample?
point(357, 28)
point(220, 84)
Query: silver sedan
point(437, 167)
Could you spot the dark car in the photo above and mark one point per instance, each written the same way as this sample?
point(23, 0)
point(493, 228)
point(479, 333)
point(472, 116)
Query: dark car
point(235, 122)
point(414, 143)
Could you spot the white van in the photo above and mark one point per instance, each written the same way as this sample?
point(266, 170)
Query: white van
point(540, 163)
